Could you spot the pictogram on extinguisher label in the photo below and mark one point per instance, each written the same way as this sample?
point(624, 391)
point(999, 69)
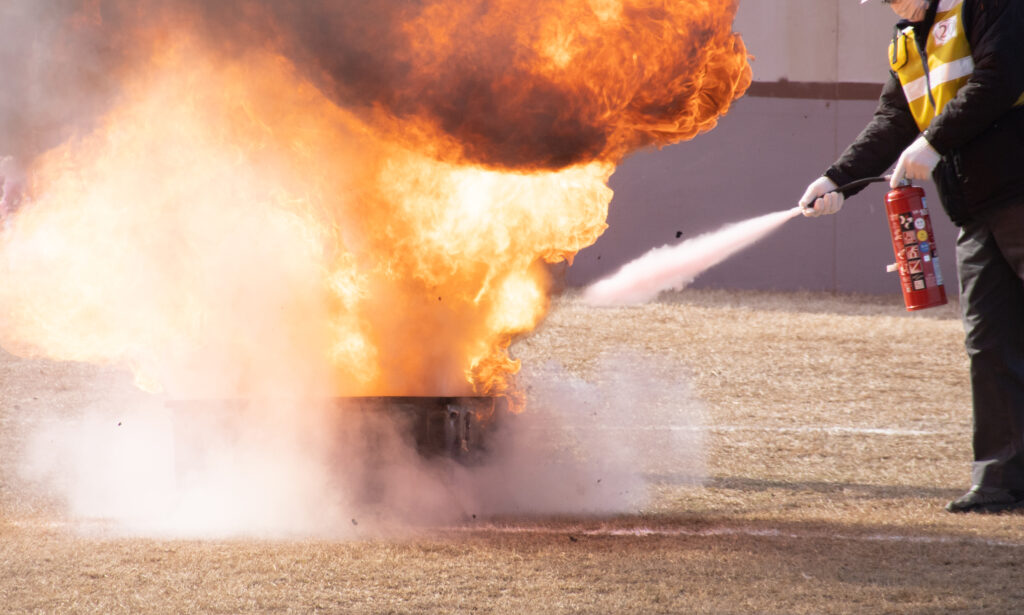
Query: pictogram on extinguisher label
point(913, 244)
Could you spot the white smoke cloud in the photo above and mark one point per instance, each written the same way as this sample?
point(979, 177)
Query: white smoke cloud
point(584, 446)
point(55, 70)
point(593, 446)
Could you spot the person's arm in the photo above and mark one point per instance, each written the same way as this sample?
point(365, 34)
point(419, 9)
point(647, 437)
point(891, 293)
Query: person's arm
point(995, 29)
point(881, 142)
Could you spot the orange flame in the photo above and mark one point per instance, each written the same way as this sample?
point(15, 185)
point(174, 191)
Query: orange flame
point(229, 228)
point(576, 81)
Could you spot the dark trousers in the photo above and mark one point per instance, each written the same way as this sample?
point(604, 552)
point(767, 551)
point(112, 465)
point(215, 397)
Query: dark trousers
point(990, 266)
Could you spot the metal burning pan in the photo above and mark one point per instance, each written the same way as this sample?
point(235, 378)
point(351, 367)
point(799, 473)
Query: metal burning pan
point(453, 427)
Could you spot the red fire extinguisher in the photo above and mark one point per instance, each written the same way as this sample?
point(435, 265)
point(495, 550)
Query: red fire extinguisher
point(913, 243)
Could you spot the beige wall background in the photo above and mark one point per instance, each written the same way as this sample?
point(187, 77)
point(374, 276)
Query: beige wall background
point(816, 40)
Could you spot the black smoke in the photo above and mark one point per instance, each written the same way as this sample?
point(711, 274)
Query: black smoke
point(62, 61)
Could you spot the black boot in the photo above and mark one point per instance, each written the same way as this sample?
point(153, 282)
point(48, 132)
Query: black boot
point(986, 500)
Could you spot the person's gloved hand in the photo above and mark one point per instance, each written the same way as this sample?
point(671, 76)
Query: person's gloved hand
point(916, 162)
point(820, 198)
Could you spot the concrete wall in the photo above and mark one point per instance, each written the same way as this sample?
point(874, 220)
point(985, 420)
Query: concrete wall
point(761, 157)
point(816, 40)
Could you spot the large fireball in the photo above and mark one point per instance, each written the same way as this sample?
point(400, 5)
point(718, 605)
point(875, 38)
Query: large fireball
point(341, 198)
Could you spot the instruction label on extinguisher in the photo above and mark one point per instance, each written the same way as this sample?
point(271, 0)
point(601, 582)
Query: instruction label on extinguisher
point(914, 247)
point(931, 251)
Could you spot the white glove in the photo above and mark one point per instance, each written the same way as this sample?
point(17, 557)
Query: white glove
point(819, 198)
point(916, 162)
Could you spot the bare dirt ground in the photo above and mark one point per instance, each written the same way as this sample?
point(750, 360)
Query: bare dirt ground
point(836, 429)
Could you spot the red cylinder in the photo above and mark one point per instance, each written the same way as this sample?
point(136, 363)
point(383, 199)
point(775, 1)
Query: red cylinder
point(913, 243)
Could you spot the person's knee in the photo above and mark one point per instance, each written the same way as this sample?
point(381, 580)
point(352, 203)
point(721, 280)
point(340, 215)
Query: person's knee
point(993, 337)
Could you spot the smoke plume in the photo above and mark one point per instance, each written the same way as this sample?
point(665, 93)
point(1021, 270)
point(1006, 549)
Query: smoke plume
point(509, 84)
point(288, 469)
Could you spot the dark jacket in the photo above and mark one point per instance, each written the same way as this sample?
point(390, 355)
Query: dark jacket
point(980, 134)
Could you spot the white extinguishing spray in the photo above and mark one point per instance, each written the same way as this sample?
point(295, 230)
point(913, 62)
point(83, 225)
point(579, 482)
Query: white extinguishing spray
point(667, 267)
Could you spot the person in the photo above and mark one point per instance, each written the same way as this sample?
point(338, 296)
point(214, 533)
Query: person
point(953, 109)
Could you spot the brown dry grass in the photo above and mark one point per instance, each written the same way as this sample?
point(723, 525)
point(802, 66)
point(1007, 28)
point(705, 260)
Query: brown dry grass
point(837, 429)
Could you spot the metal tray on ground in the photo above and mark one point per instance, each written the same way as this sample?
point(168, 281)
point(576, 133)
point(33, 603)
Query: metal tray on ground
point(457, 428)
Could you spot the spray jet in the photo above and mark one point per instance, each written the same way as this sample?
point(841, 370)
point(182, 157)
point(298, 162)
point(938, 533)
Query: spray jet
point(673, 267)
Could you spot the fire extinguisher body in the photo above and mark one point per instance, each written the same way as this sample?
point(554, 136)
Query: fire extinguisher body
point(913, 243)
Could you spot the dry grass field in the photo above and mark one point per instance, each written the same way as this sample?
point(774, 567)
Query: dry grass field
point(833, 431)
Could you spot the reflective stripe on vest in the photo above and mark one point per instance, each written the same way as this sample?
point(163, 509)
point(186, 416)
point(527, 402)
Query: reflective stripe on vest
point(950, 64)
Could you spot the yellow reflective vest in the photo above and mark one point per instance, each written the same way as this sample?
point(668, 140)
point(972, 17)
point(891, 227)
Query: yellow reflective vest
point(929, 87)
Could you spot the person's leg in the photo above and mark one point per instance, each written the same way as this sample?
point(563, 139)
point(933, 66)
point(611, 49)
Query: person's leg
point(990, 264)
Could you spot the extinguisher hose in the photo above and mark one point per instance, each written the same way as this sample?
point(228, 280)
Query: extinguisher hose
point(862, 182)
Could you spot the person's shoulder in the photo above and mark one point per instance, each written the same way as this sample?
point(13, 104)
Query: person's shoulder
point(986, 13)
point(980, 6)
